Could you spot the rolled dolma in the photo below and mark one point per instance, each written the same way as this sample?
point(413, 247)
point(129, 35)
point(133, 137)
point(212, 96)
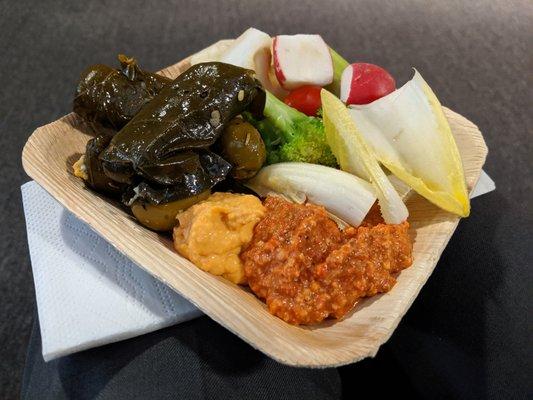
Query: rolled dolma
point(160, 143)
point(112, 97)
point(207, 170)
point(96, 177)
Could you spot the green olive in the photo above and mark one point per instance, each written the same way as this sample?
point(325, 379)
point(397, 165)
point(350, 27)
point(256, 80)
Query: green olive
point(243, 147)
point(162, 217)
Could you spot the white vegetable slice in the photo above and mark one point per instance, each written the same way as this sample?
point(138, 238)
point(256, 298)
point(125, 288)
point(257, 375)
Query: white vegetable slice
point(302, 60)
point(250, 50)
point(354, 156)
point(246, 48)
point(346, 83)
point(402, 188)
point(211, 53)
point(410, 135)
point(342, 194)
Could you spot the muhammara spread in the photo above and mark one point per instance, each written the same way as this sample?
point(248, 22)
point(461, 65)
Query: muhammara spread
point(213, 232)
point(307, 269)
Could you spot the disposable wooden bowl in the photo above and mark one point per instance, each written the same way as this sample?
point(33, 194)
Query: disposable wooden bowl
point(50, 151)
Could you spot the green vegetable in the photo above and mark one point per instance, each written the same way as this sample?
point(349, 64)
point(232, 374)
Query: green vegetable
point(96, 178)
point(242, 145)
point(290, 135)
point(112, 97)
point(339, 65)
point(162, 217)
point(162, 143)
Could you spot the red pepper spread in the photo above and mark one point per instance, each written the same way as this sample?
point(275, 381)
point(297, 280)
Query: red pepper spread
point(307, 269)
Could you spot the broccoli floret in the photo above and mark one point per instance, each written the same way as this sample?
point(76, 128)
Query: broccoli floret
point(290, 135)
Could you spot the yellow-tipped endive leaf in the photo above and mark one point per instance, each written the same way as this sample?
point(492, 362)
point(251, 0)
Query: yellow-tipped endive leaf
point(356, 157)
point(410, 135)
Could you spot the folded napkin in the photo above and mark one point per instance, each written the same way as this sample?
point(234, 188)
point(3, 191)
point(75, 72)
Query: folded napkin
point(88, 294)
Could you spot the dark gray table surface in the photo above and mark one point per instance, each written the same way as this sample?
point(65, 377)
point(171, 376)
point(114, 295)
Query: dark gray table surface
point(475, 54)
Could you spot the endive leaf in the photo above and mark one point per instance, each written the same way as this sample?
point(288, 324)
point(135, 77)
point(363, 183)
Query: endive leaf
point(354, 156)
point(410, 135)
point(342, 194)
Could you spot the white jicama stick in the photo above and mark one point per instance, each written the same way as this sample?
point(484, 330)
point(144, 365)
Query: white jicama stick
point(356, 157)
point(410, 135)
point(342, 194)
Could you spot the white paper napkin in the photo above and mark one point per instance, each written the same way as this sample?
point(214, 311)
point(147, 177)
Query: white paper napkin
point(88, 294)
point(484, 185)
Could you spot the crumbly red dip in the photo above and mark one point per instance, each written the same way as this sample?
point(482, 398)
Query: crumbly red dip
point(307, 269)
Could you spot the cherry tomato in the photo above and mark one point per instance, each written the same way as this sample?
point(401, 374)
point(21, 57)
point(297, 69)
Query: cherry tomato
point(362, 83)
point(305, 99)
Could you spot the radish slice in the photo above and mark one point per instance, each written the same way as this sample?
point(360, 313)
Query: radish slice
point(362, 83)
point(346, 83)
point(252, 50)
point(302, 60)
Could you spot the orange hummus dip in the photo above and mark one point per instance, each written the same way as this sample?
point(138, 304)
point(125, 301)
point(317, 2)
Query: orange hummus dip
point(213, 232)
point(307, 269)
